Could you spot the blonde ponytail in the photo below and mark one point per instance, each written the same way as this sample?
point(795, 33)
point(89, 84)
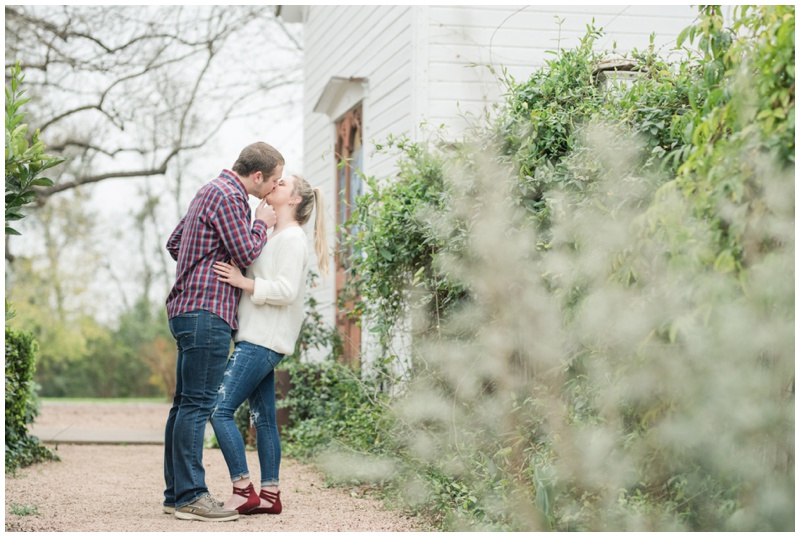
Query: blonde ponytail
point(320, 234)
point(310, 199)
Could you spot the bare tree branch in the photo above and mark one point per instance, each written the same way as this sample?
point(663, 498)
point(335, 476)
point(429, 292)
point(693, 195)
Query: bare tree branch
point(113, 80)
point(45, 192)
point(103, 96)
point(64, 144)
point(65, 34)
point(287, 33)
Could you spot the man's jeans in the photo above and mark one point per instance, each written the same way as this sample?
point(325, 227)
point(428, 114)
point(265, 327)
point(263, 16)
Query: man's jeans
point(250, 375)
point(203, 340)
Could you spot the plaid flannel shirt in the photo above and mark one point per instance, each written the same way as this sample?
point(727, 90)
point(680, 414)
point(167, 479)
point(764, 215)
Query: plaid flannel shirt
point(216, 227)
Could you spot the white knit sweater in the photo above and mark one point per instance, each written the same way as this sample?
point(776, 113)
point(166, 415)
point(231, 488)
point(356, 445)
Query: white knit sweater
point(273, 314)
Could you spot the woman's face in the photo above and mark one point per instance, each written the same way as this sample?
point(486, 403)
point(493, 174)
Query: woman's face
point(282, 193)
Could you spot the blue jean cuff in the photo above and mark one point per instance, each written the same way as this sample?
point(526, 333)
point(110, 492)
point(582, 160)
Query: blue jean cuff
point(270, 483)
point(178, 506)
point(239, 477)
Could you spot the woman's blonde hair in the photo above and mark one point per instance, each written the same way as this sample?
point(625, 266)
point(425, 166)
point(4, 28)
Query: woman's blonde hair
point(311, 198)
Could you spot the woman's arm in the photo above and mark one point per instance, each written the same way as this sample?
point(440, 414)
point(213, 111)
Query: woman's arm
point(277, 289)
point(231, 274)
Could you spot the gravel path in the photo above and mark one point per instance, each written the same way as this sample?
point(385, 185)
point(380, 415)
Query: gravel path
point(119, 487)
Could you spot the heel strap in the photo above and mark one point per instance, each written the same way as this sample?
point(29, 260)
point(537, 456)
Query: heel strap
point(245, 492)
point(270, 496)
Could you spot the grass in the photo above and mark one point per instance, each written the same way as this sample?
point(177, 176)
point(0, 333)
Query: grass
point(24, 510)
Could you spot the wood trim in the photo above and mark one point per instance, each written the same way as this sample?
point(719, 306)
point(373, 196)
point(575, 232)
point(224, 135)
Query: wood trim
point(349, 139)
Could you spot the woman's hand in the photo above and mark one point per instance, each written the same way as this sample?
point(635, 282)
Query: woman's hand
point(231, 274)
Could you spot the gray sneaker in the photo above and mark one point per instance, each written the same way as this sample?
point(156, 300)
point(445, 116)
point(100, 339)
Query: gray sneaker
point(206, 508)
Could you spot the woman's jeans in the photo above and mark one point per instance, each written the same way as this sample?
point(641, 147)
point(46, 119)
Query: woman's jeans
point(203, 340)
point(250, 375)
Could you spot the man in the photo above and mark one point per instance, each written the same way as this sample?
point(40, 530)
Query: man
point(202, 316)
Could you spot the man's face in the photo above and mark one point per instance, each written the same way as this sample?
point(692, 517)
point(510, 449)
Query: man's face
point(269, 182)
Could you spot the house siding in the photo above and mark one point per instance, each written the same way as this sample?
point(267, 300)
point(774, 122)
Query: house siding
point(426, 64)
point(373, 42)
point(464, 40)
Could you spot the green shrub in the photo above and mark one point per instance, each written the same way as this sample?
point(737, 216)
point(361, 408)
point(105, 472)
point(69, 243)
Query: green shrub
point(25, 161)
point(395, 246)
point(329, 402)
point(22, 449)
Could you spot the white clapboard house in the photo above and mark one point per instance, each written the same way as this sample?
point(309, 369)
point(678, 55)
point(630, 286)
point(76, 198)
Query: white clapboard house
point(375, 71)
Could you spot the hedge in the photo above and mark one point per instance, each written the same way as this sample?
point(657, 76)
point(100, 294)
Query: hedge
point(22, 449)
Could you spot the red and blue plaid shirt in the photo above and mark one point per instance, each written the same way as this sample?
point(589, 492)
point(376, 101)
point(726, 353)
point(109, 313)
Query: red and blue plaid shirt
point(216, 228)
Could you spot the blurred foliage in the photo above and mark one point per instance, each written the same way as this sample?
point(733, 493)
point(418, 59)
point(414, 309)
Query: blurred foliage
point(601, 283)
point(134, 359)
point(81, 357)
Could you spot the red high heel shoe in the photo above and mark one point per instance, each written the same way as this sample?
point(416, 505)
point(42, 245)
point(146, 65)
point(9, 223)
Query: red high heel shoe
point(252, 498)
point(274, 509)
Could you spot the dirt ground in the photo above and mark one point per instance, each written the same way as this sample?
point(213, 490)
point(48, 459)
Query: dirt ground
point(115, 488)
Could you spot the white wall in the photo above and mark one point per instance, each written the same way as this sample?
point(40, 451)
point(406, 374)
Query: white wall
point(373, 42)
point(518, 38)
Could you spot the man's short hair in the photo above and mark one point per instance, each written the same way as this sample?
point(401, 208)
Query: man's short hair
point(257, 157)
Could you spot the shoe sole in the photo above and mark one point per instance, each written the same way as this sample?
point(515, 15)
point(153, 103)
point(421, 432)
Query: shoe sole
point(261, 511)
point(192, 516)
point(168, 510)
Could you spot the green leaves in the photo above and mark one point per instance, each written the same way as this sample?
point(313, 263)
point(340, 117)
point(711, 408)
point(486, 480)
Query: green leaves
point(25, 159)
point(543, 112)
point(398, 240)
point(330, 403)
point(742, 109)
point(387, 255)
point(22, 449)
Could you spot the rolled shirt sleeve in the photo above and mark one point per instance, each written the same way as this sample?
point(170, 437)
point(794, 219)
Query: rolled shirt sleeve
point(174, 242)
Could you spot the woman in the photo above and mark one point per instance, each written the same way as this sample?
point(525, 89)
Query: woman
point(269, 323)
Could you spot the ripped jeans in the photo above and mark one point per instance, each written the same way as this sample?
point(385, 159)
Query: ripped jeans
point(250, 374)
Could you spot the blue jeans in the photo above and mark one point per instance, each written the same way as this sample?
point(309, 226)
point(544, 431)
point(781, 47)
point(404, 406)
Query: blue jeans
point(250, 375)
point(203, 341)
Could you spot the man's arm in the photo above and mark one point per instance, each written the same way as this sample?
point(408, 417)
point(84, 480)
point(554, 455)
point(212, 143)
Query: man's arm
point(174, 242)
point(242, 241)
